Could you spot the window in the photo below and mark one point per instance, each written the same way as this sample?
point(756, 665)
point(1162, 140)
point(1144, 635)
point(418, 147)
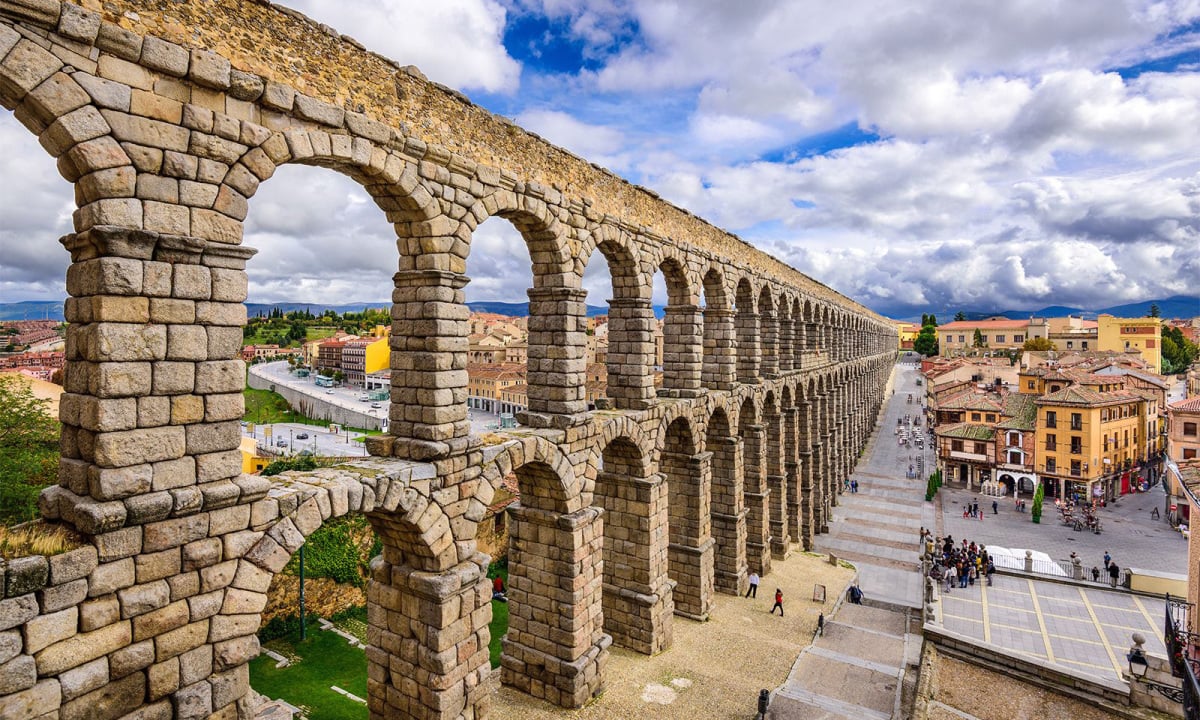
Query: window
point(1189, 429)
point(1076, 468)
point(1070, 344)
point(1015, 457)
point(1018, 338)
point(1051, 419)
point(980, 448)
point(1000, 338)
point(1076, 445)
point(1051, 465)
point(1030, 385)
point(1014, 438)
point(1189, 453)
point(1084, 344)
point(1051, 442)
point(1149, 344)
point(991, 417)
point(1104, 415)
point(1076, 421)
point(1127, 438)
point(975, 417)
point(956, 445)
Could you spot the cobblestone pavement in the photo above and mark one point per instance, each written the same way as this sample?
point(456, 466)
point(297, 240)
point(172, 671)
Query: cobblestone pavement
point(1080, 629)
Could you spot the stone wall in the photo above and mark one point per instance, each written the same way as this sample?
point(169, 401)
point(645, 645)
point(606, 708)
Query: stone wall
point(315, 406)
point(166, 118)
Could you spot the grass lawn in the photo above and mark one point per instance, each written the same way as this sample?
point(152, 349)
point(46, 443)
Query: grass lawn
point(499, 625)
point(325, 659)
point(265, 407)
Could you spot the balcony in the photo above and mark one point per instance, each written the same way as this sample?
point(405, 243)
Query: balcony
point(964, 455)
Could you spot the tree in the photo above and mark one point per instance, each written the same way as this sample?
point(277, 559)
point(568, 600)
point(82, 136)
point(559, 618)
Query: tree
point(28, 450)
point(1035, 512)
point(339, 376)
point(1039, 344)
point(1154, 311)
point(1178, 353)
point(960, 316)
point(977, 341)
point(927, 341)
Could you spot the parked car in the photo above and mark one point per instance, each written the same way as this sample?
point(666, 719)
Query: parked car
point(374, 405)
point(281, 442)
point(302, 436)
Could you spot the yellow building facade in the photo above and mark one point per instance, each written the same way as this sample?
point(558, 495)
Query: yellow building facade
point(1088, 440)
point(1125, 334)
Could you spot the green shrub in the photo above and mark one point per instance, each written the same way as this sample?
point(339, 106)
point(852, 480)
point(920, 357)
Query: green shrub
point(1035, 512)
point(331, 552)
point(283, 625)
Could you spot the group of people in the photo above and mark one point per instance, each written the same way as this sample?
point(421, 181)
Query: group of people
point(954, 564)
point(971, 510)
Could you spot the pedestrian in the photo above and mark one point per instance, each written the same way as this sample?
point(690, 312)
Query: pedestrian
point(856, 594)
point(752, 591)
point(1095, 574)
point(1113, 573)
point(1107, 559)
point(975, 508)
point(853, 486)
point(778, 602)
point(995, 507)
point(951, 573)
point(971, 574)
point(991, 570)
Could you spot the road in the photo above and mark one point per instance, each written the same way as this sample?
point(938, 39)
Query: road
point(319, 440)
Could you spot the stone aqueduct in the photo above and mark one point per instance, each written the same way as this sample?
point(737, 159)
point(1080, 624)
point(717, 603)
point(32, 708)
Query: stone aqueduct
point(166, 117)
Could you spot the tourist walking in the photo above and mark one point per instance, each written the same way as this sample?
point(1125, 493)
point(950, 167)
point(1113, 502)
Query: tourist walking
point(1114, 572)
point(752, 591)
point(856, 594)
point(951, 573)
point(778, 602)
point(995, 507)
point(991, 570)
point(1107, 559)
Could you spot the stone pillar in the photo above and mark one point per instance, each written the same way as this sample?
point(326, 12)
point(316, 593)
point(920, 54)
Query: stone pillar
point(758, 535)
point(769, 325)
point(638, 598)
point(811, 340)
point(429, 365)
point(776, 482)
point(791, 470)
point(682, 351)
point(555, 648)
point(748, 351)
point(428, 640)
point(630, 353)
point(691, 549)
point(810, 498)
point(557, 369)
point(720, 350)
point(728, 515)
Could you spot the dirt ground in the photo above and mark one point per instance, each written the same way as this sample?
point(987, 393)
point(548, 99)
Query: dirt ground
point(713, 669)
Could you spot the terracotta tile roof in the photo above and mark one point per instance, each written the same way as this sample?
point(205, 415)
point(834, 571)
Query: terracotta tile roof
point(1191, 404)
point(1004, 324)
point(1022, 412)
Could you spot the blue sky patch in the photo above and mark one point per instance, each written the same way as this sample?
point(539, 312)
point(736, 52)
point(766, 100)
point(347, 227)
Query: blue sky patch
point(846, 136)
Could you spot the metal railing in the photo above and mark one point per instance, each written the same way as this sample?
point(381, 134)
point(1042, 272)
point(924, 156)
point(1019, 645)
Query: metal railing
point(1182, 651)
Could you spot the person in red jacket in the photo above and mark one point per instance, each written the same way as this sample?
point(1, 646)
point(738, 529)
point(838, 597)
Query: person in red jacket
point(778, 602)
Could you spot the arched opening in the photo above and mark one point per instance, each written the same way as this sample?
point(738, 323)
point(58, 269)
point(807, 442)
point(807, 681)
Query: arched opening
point(776, 481)
point(747, 321)
point(786, 335)
point(687, 473)
point(719, 369)
point(680, 338)
point(638, 601)
point(629, 352)
point(754, 487)
point(768, 323)
point(36, 210)
point(728, 505)
point(791, 465)
point(498, 327)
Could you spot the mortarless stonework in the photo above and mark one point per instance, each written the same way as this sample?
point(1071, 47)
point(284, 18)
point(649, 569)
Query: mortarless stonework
point(166, 117)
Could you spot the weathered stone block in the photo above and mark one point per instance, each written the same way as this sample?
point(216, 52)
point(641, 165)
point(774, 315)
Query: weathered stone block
point(217, 466)
point(25, 575)
point(193, 701)
point(147, 508)
point(206, 605)
point(135, 447)
point(164, 56)
point(160, 621)
point(78, 24)
point(210, 70)
point(156, 566)
point(17, 674)
point(108, 702)
point(105, 93)
point(98, 613)
point(141, 599)
point(59, 597)
point(45, 630)
point(231, 653)
point(195, 665)
point(82, 648)
point(120, 543)
point(187, 409)
point(174, 533)
point(186, 342)
point(110, 577)
point(84, 679)
point(118, 483)
point(170, 474)
point(163, 679)
point(180, 640)
point(137, 656)
point(11, 644)
point(126, 342)
point(42, 698)
point(120, 379)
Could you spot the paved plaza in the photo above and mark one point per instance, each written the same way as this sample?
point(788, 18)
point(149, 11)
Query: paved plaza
point(1080, 629)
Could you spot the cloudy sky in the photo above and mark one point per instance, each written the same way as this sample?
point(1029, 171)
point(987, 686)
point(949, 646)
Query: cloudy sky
point(1000, 155)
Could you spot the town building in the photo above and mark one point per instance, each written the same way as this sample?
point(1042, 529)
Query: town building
point(1183, 439)
point(976, 337)
point(907, 333)
point(1143, 335)
point(485, 381)
point(1073, 333)
point(363, 356)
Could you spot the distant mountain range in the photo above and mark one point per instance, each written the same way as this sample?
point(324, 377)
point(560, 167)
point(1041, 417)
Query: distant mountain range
point(53, 309)
point(1179, 306)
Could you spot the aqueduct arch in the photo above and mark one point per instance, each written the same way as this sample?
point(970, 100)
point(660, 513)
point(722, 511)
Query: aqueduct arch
point(167, 125)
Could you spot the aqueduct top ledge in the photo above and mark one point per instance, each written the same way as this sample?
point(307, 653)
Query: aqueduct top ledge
point(282, 46)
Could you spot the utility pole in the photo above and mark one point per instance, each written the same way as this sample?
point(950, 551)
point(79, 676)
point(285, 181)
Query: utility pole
point(303, 625)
